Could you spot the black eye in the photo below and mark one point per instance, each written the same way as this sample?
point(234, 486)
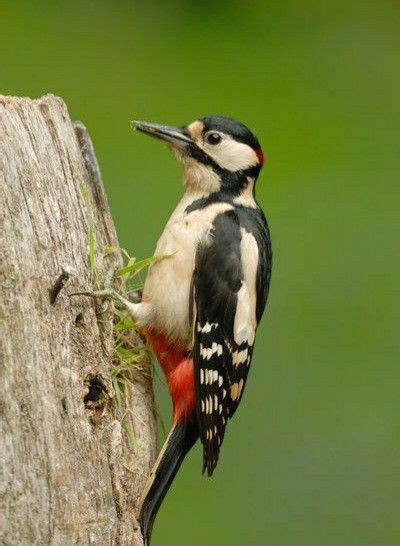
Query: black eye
point(213, 138)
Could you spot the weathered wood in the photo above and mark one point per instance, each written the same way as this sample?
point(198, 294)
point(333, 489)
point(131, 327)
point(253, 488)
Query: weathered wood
point(68, 475)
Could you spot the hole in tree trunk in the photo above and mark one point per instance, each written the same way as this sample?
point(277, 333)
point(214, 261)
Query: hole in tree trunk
point(79, 319)
point(64, 405)
point(96, 397)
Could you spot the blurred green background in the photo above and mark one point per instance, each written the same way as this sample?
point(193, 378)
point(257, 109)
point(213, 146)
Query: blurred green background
point(313, 454)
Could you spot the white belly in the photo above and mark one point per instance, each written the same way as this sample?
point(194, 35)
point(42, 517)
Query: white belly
point(168, 282)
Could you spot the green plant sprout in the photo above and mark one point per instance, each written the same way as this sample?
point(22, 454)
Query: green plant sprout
point(129, 358)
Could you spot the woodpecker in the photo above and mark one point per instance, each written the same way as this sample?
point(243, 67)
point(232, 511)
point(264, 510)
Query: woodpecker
point(201, 306)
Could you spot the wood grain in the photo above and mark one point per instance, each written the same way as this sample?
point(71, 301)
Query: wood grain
point(68, 475)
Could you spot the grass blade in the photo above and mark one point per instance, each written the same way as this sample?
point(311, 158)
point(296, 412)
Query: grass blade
point(135, 267)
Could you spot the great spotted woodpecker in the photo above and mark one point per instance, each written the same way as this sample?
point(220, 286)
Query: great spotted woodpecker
point(201, 307)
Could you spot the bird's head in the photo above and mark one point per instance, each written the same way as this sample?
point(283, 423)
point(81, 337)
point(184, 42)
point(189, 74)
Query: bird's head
point(217, 153)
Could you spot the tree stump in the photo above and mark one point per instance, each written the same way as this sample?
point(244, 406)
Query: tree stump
point(69, 474)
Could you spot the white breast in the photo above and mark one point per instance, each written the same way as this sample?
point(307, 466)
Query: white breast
point(168, 282)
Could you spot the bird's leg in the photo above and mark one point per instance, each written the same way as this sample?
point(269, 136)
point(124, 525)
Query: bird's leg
point(104, 294)
point(141, 312)
point(107, 292)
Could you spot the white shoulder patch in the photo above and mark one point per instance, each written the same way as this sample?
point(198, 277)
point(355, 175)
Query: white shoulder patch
point(245, 317)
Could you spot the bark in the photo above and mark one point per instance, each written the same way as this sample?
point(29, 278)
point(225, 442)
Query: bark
point(69, 473)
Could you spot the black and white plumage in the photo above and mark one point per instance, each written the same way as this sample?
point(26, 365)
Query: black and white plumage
point(202, 306)
point(230, 283)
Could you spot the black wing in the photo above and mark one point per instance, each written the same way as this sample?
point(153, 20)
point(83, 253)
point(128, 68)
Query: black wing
point(229, 290)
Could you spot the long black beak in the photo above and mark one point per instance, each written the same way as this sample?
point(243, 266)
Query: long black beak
point(173, 135)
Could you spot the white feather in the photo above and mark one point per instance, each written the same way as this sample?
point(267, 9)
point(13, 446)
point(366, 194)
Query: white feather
point(245, 317)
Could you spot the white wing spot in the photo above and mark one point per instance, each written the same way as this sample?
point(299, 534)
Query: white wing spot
point(203, 351)
point(239, 356)
point(206, 328)
point(236, 390)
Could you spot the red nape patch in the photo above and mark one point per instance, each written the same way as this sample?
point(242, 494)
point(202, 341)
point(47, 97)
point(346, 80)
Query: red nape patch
point(260, 155)
point(178, 370)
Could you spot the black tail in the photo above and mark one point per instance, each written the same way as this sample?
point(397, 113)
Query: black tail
point(179, 442)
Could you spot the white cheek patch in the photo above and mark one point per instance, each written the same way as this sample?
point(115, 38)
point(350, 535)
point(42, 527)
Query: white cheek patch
point(232, 155)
